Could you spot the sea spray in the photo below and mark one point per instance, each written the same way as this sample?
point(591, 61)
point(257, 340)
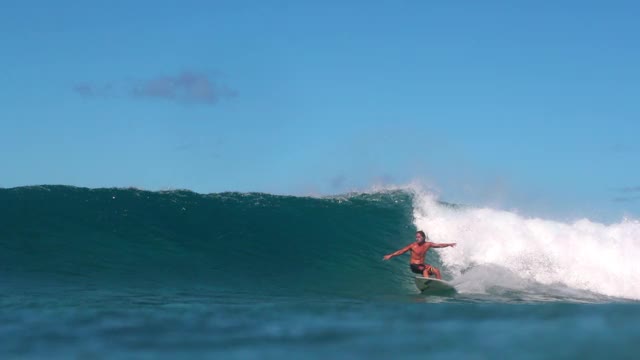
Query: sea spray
point(583, 255)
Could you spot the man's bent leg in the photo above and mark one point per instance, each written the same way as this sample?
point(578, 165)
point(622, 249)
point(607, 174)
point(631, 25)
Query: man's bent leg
point(428, 270)
point(436, 272)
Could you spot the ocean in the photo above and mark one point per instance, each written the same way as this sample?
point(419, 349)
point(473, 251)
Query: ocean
point(126, 273)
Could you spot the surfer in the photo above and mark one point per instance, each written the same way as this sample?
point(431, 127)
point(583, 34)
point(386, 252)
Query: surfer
point(418, 251)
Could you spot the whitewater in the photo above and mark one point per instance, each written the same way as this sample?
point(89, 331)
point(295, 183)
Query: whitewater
point(498, 248)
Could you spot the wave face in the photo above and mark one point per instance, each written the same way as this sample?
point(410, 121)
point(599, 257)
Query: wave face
point(504, 251)
point(242, 241)
point(261, 243)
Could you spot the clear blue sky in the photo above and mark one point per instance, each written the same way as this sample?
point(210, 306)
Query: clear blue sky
point(521, 104)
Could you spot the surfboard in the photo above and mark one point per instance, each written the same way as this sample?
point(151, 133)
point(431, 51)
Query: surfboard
point(433, 285)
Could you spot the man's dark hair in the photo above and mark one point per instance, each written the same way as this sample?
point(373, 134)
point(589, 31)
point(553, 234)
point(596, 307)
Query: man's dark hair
point(424, 236)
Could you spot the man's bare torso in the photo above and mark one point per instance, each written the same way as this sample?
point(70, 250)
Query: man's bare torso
point(418, 252)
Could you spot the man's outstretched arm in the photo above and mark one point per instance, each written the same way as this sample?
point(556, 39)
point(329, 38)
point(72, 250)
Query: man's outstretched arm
point(399, 252)
point(434, 245)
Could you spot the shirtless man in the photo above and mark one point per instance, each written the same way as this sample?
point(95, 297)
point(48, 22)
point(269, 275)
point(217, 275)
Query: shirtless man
point(418, 251)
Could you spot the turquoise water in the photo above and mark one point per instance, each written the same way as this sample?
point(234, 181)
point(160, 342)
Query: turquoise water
point(122, 273)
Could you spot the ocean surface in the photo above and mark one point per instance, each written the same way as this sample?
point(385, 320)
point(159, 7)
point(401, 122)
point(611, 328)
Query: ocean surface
point(127, 273)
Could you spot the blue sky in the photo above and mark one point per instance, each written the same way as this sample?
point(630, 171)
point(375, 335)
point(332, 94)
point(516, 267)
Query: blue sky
point(524, 105)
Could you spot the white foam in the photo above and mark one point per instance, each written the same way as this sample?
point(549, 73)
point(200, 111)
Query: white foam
point(584, 255)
